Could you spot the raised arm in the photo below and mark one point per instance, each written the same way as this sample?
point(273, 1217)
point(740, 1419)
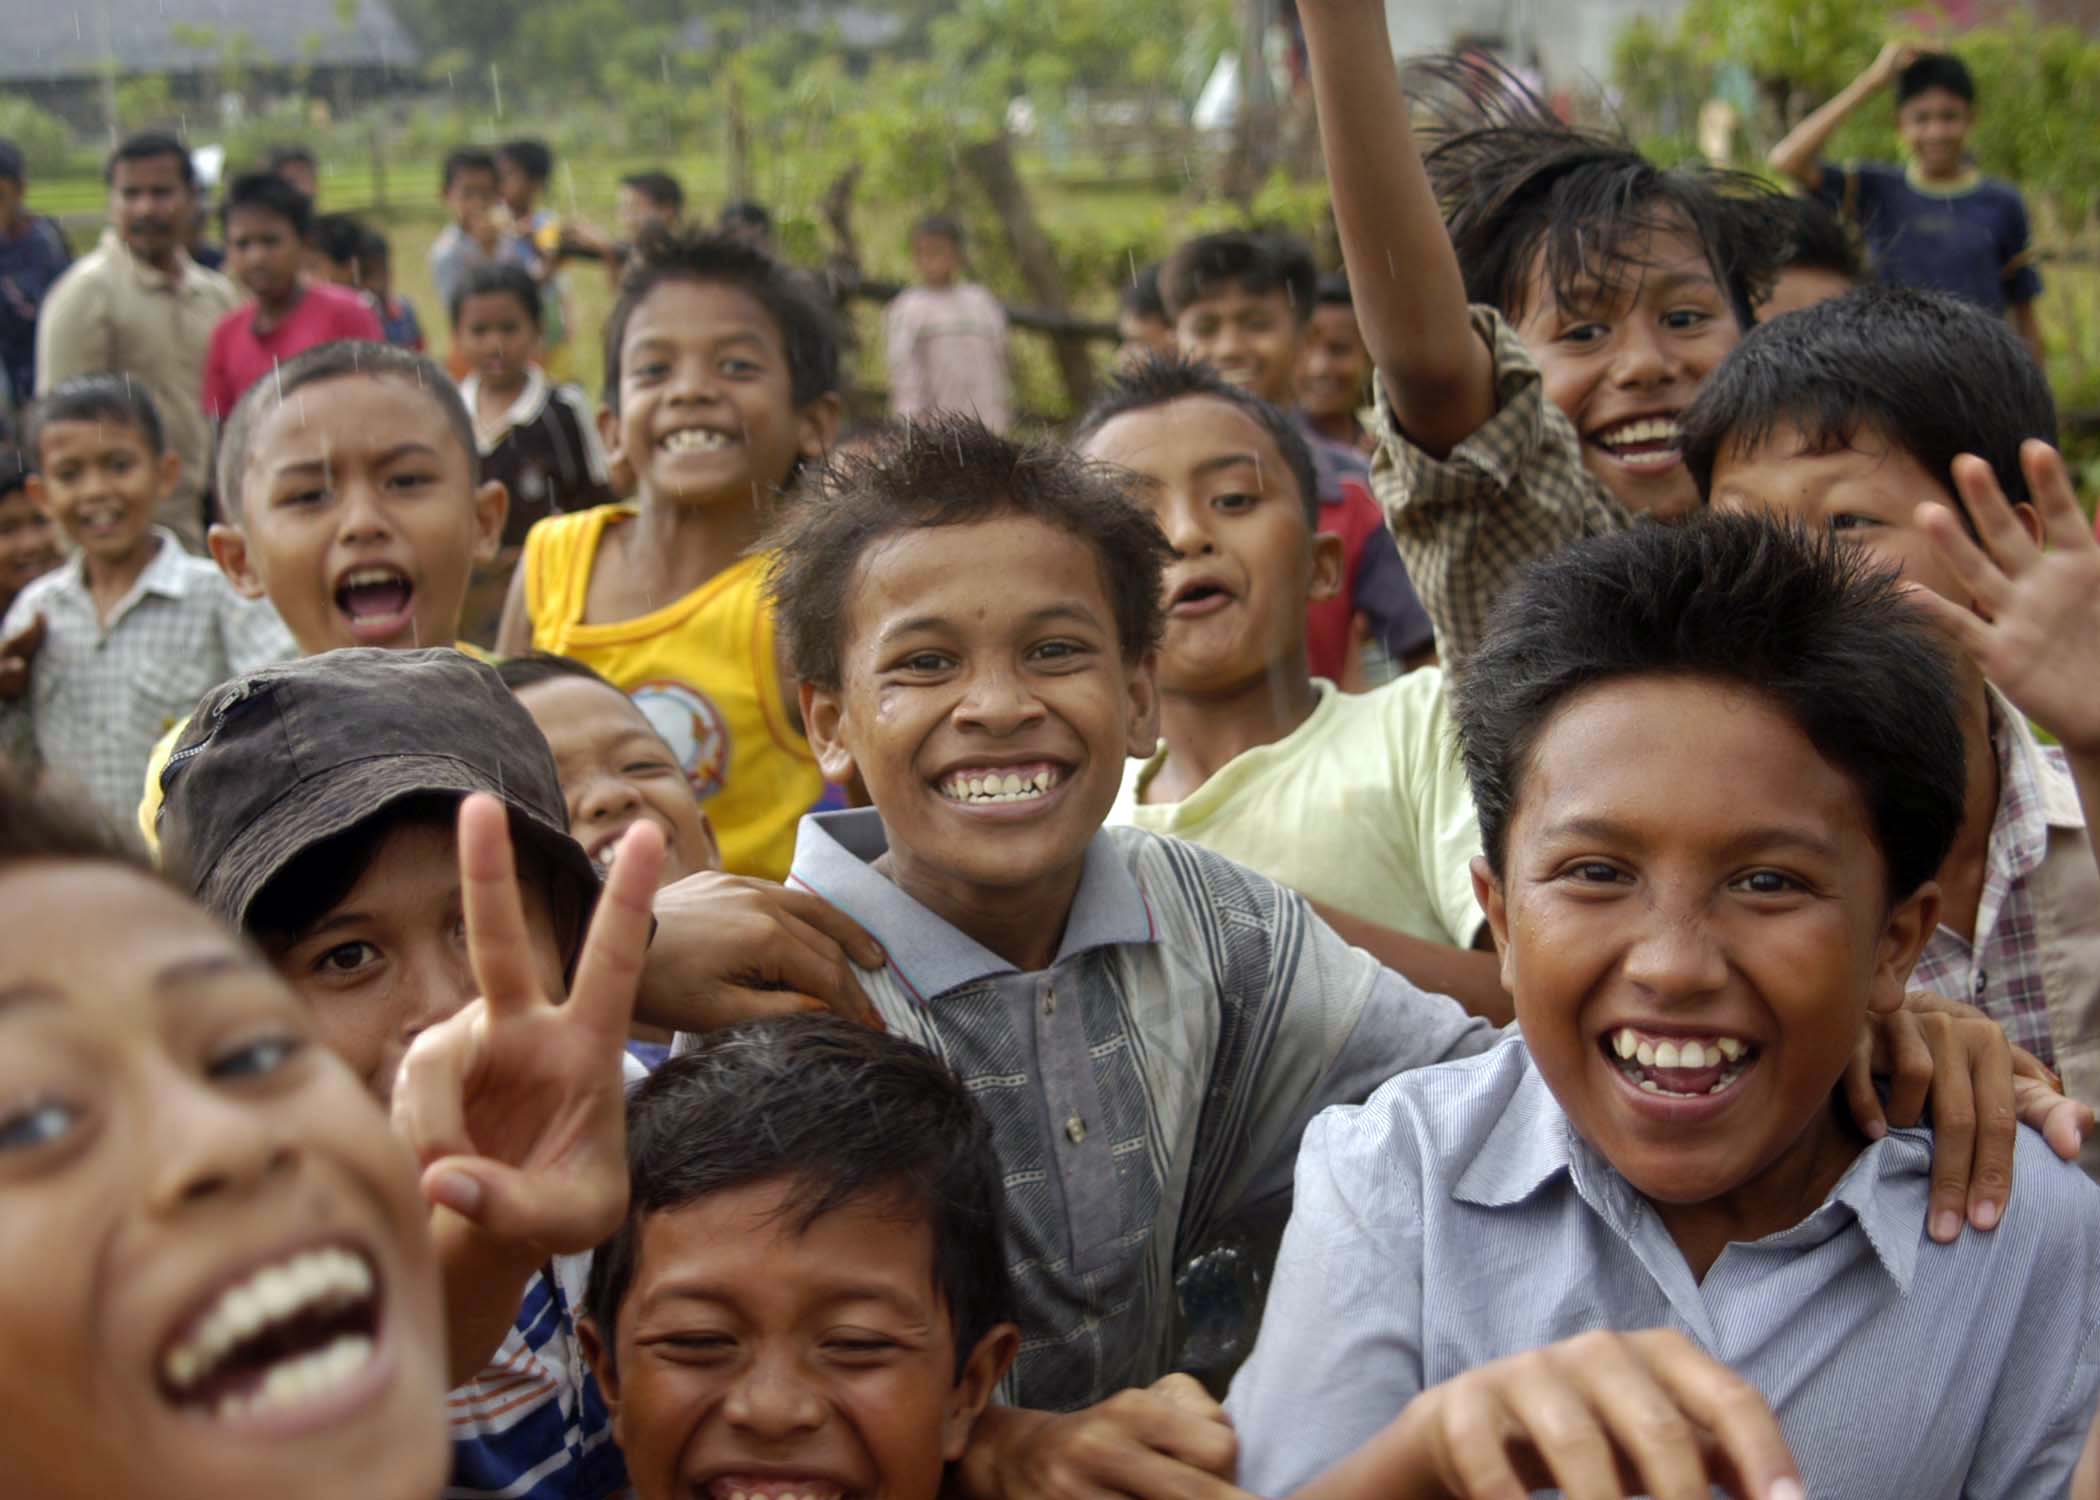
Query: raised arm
point(1800, 155)
point(1410, 298)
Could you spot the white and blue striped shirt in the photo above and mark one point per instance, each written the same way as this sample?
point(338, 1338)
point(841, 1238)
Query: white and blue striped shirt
point(1456, 1218)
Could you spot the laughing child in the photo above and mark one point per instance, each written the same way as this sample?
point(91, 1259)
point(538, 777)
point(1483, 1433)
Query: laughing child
point(134, 628)
point(1849, 416)
point(186, 1170)
point(1541, 305)
point(1709, 855)
point(536, 437)
point(809, 1295)
point(1357, 802)
point(721, 382)
point(1334, 369)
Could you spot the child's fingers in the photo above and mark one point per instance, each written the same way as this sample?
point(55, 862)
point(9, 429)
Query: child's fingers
point(1860, 1095)
point(1967, 629)
point(1953, 1151)
point(1736, 1417)
point(1983, 575)
point(564, 1217)
point(1554, 1425)
point(427, 1108)
point(2064, 526)
point(617, 946)
point(498, 946)
point(2007, 541)
point(859, 944)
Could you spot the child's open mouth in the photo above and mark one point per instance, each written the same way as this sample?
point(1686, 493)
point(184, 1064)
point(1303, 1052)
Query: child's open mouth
point(986, 786)
point(1647, 443)
point(1197, 598)
point(695, 440)
point(99, 520)
point(290, 1334)
point(1678, 1067)
point(375, 600)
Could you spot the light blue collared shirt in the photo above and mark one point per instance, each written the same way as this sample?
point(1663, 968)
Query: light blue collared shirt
point(1455, 1218)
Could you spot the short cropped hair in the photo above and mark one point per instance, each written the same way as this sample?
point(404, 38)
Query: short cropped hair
point(333, 362)
point(280, 157)
point(266, 192)
point(12, 167)
point(96, 398)
point(1802, 620)
point(1334, 291)
point(340, 237)
point(941, 226)
point(1822, 241)
point(951, 470)
point(808, 331)
point(1936, 70)
point(148, 145)
point(1142, 299)
point(1240, 260)
point(535, 667)
point(498, 278)
point(45, 822)
point(1524, 192)
point(746, 213)
point(843, 1114)
point(467, 159)
point(530, 156)
point(1930, 375)
point(372, 247)
point(660, 188)
point(1164, 378)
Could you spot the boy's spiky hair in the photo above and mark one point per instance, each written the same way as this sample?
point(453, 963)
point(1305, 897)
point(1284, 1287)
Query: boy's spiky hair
point(1801, 620)
point(1526, 194)
point(1141, 297)
point(266, 192)
point(1821, 241)
point(808, 330)
point(1164, 378)
point(333, 362)
point(1936, 70)
point(951, 470)
point(1250, 261)
point(117, 399)
point(1930, 375)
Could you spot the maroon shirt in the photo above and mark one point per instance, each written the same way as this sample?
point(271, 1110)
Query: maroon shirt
point(239, 356)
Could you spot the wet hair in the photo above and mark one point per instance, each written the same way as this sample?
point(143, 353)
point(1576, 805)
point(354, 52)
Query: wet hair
point(1240, 260)
point(746, 213)
point(808, 331)
point(1803, 621)
point(1936, 70)
point(95, 398)
point(12, 167)
point(1141, 298)
point(150, 145)
point(266, 192)
point(44, 822)
point(1930, 375)
point(463, 159)
point(530, 156)
point(1334, 291)
point(373, 249)
point(951, 470)
point(339, 237)
point(1821, 241)
point(535, 667)
point(499, 278)
point(1525, 194)
point(941, 226)
point(840, 1113)
point(1162, 379)
point(660, 188)
point(335, 361)
point(280, 157)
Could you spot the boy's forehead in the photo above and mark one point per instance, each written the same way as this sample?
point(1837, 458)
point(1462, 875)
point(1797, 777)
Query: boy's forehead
point(89, 432)
point(1189, 433)
point(1227, 295)
point(353, 417)
point(696, 309)
point(1660, 258)
point(984, 572)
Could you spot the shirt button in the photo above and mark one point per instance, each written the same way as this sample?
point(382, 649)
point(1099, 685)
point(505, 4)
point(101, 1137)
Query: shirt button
point(1050, 1002)
point(1981, 980)
point(1075, 1130)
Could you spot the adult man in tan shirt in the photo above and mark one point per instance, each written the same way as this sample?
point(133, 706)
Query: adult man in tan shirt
point(139, 306)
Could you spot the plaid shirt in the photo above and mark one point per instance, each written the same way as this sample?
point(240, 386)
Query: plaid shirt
point(1512, 493)
point(2001, 972)
point(101, 695)
point(1147, 1090)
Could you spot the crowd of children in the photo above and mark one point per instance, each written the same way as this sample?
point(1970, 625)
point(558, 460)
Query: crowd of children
point(647, 949)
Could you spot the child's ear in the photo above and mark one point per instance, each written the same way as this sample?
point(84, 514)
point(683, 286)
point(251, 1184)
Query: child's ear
point(39, 494)
point(1909, 926)
point(980, 1377)
point(1143, 738)
point(1329, 555)
point(597, 1353)
point(491, 509)
point(1487, 890)
point(170, 466)
point(619, 472)
point(229, 549)
point(823, 715)
point(819, 426)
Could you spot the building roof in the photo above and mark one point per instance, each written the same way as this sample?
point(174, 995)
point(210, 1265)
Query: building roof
point(79, 38)
point(861, 29)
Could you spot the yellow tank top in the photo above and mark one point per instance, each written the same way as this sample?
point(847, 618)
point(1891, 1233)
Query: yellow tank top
point(703, 669)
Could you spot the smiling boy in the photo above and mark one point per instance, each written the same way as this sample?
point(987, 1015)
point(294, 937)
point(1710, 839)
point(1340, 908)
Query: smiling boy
point(1709, 854)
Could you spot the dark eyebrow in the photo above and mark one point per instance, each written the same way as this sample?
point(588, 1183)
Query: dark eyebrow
point(20, 997)
point(391, 455)
point(1750, 841)
point(1222, 461)
point(1046, 614)
point(702, 1289)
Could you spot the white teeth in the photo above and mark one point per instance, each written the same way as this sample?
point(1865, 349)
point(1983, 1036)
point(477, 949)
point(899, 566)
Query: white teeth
point(996, 786)
point(1625, 1043)
point(270, 1295)
point(1644, 1054)
point(305, 1378)
point(363, 576)
point(1730, 1048)
point(1646, 430)
point(1692, 1055)
point(1650, 1086)
point(691, 438)
point(1666, 1054)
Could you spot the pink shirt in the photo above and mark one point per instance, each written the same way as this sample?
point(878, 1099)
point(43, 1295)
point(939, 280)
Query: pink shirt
point(239, 356)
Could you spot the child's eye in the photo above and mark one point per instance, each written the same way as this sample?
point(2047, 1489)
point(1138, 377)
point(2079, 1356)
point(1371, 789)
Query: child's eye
point(120, 463)
point(256, 1058)
point(1059, 651)
point(1852, 521)
point(313, 496)
point(859, 1346)
point(654, 369)
point(741, 368)
point(1233, 504)
point(1585, 333)
point(694, 1347)
point(1687, 318)
point(1593, 872)
point(1768, 883)
point(35, 1125)
point(924, 661)
point(346, 958)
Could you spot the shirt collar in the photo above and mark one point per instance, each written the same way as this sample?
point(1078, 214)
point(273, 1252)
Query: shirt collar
point(2034, 791)
point(1887, 1190)
point(835, 855)
point(164, 574)
point(178, 281)
point(522, 410)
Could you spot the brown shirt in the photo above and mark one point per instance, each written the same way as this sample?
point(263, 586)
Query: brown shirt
point(112, 312)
